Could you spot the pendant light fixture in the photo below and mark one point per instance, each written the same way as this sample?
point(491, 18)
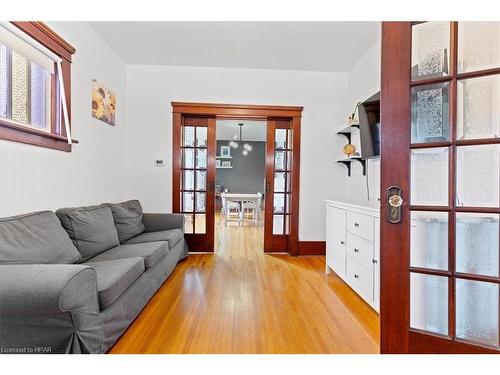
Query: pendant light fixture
point(238, 141)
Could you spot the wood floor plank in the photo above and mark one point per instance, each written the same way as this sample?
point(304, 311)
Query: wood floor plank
point(240, 300)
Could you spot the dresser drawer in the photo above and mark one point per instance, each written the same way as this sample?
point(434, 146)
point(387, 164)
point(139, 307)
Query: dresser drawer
point(360, 279)
point(360, 250)
point(360, 225)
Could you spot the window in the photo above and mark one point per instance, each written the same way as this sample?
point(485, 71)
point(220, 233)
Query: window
point(34, 85)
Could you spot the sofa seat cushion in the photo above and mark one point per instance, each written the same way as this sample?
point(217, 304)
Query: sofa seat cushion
point(172, 236)
point(91, 228)
point(114, 277)
point(35, 238)
point(151, 252)
point(128, 219)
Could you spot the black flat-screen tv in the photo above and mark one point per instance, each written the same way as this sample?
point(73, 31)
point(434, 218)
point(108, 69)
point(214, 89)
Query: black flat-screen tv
point(369, 126)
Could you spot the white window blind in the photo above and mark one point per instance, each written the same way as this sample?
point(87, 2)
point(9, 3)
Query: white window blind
point(16, 40)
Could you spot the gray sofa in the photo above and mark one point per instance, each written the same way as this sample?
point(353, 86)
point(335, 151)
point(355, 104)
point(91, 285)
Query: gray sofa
point(74, 280)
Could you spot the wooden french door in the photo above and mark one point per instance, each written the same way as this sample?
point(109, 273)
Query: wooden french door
point(440, 124)
point(278, 196)
point(194, 146)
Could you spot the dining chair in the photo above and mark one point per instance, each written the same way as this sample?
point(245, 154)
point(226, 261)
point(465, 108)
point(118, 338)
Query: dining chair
point(230, 210)
point(252, 208)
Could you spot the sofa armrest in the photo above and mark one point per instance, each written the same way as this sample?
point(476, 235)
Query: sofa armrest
point(158, 222)
point(49, 308)
point(41, 289)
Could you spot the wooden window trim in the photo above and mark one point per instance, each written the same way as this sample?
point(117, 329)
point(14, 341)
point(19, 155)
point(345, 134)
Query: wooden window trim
point(21, 134)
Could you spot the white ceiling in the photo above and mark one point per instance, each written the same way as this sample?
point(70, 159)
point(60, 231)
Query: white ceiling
point(252, 130)
point(313, 46)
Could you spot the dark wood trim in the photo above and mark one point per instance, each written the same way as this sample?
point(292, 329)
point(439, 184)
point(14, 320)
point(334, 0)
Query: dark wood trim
point(48, 37)
point(478, 73)
point(430, 81)
point(395, 164)
point(312, 247)
point(289, 242)
point(236, 110)
point(293, 241)
point(426, 343)
point(33, 137)
point(54, 140)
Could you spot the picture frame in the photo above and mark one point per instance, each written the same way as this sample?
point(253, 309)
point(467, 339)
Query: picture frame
point(226, 164)
point(225, 151)
point(217, 163)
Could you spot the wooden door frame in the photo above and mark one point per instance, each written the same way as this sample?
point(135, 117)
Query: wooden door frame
point(251, 112)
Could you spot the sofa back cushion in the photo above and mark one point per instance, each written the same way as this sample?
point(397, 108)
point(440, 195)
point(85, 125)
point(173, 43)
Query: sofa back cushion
point(35, 238)
point(91, 228)
point(128, 219)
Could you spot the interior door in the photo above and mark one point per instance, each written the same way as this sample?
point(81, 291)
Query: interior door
point(441, 147)
point(194, 147)
point(278, 195)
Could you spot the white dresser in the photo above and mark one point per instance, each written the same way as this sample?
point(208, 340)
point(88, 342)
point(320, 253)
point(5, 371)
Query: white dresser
point(353, 248)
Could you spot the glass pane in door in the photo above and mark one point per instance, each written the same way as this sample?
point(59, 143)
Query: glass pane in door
point(429, 176)
point(478, 175)
point(188, 136)
point(477, 311)
point(477, 243)
point(478, 46)
point(429, 113)
point(430, 52)
point(429, 303)
point(429, 240)
point(478, 108)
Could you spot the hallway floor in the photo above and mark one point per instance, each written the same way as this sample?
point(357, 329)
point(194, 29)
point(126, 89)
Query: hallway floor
point(240, 300)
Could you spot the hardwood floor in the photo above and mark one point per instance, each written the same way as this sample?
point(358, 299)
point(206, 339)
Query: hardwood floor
point(240, 300)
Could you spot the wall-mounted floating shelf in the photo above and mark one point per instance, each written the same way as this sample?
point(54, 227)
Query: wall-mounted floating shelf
point(347, 162)
point(223, 157)
point(346, 132)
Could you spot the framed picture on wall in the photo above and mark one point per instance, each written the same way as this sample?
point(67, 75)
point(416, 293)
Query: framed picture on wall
point(225, 151)
point(226, 164)
point(217, 163)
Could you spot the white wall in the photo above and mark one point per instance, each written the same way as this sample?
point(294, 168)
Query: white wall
point(364, 81)
point(150, 89)
point(33, 178)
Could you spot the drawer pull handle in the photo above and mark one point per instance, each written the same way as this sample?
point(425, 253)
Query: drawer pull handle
point(342, 242)
point(356, 276)
point(356, 250)
point(356, 225)
point(374, 261)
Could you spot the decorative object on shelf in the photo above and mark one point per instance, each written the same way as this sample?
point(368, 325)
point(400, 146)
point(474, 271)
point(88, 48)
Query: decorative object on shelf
point(217, 163)
point(236, 142)
point(103, 103)
point(354, 118)
point(349, 149)
point(225, 151)
point(226, 164)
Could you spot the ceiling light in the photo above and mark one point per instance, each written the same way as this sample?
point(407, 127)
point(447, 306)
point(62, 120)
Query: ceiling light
point(235, 143)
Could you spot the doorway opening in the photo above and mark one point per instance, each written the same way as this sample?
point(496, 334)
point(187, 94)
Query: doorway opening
point(194, 171)
point(240, 181)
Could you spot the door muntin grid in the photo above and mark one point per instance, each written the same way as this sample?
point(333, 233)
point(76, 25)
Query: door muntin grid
point(282, 175)
point(451, 288)
point(193, 189)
